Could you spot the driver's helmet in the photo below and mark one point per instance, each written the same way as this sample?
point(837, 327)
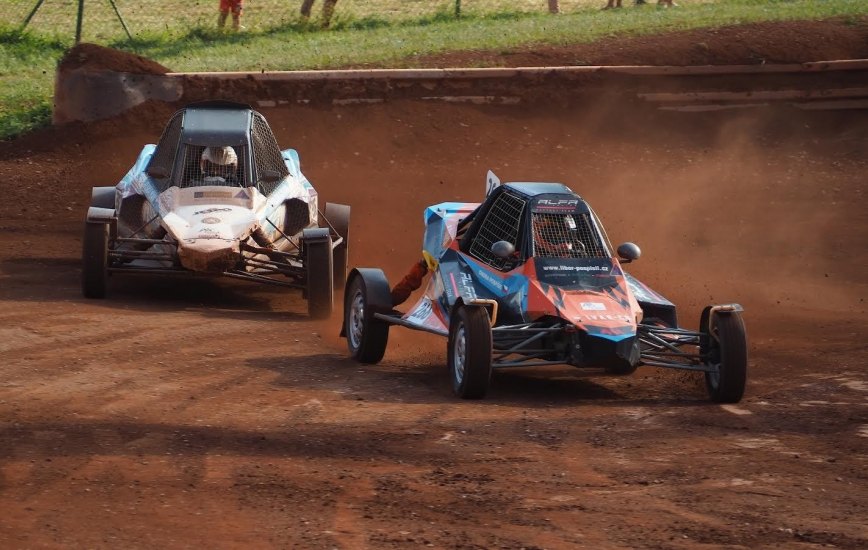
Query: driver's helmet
point(219, 163)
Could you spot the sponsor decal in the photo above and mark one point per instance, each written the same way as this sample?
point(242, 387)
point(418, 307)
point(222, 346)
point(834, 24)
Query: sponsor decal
point(490, 279)
point(421, 313)
point(588, 268)
point(466, 283)
point(593, 306)
point(454, 285)
point(211, 211)
point(558, 202)
point(212, 194)
point(609, 317)
point(211, 220)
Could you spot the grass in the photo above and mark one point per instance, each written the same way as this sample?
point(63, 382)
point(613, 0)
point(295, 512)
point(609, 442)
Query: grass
point(28, 61)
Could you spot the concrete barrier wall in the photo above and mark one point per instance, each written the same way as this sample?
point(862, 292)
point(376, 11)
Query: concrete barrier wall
point(86, 95)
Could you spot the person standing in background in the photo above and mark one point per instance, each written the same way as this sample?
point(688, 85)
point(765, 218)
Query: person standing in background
point(328, 10)
point(236, 7)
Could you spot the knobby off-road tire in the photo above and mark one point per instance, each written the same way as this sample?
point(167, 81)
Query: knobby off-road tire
point(729, 352)
point(320, 292)
point(94, 260)
point(366, 336)
point(469, 352)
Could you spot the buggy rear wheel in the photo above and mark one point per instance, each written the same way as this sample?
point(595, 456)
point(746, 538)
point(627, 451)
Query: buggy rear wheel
point(469, 352)
point(94, 260)
point(366, 336)
point(320, 292)
point(728, 355)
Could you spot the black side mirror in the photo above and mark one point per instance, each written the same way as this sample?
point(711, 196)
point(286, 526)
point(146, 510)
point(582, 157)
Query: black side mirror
point(629, 252)
point(270, 176)
point(158, 172)
point(503, 249)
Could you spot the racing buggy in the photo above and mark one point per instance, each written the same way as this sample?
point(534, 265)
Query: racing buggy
point(216, 196)
point(528, 277)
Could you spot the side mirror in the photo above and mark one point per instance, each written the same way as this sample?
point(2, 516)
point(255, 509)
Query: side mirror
point(503, 249)
point(629, 252)
point(269, 176)
point(158, 172)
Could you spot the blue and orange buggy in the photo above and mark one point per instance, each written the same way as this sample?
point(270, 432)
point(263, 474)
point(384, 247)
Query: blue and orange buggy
point(528, 277)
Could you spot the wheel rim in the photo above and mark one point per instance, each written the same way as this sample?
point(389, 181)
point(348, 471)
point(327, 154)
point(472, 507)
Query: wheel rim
point(459, 353)
point(357, 320)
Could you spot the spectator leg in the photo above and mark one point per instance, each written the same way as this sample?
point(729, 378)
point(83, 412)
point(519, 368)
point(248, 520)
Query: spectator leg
point(328, 10)
point(306, 6)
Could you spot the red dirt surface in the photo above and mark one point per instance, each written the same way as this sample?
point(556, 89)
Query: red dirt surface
point(182, 413)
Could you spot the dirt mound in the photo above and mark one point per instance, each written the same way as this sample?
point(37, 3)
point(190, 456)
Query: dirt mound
point(760, 43)
point(92, 57)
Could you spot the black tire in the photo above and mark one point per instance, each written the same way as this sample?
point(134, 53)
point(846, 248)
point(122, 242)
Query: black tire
point(94, 260)
point(338, 215)
point(366, 336)
point(320, 292)
point(729, 353)
point(469, 352)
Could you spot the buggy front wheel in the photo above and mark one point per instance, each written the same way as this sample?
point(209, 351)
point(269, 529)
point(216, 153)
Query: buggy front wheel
point(469, 352)
point(318, 264)
point(727, 356)
point(366, 336)
point(94, 260)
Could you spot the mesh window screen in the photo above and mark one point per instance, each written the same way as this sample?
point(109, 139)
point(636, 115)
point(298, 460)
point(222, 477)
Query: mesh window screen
point(501, 224)
point(266, 153)
point(192, 174)
point(164, 155)
point(566, 236)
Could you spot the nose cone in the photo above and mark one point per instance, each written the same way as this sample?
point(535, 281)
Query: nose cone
point(209, 255)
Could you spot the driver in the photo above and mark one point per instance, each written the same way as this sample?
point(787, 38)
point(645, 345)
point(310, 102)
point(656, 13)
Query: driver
point(219, 165)
point(554, 236)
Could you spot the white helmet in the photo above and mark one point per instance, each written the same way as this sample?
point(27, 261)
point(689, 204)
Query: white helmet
point(223, 156)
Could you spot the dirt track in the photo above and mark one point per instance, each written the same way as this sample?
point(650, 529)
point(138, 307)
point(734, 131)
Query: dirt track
point(194, 412)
